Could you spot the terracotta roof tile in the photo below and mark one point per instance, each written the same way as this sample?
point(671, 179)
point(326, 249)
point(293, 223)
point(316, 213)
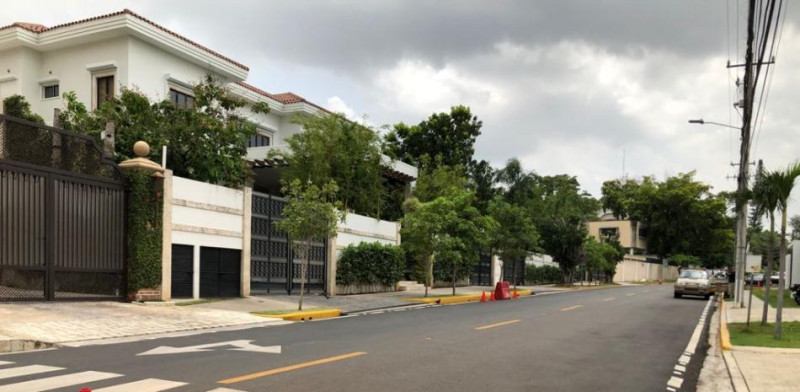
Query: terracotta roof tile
point(284, 98)
point(37, 28)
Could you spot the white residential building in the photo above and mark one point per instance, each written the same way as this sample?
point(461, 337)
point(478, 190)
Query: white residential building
point(98, 56)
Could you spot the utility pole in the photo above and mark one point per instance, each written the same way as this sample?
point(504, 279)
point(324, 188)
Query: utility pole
point(744, 162)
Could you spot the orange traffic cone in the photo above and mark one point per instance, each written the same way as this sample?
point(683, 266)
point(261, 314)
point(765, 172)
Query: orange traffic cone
point(491, 297)
point(515, 294)
point(483, 296)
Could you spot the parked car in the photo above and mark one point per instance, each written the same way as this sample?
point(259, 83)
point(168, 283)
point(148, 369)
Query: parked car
point(694, 282)
point(756, 278)
point(719, 282)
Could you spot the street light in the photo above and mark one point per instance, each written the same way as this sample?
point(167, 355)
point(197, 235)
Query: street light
point(702, 122)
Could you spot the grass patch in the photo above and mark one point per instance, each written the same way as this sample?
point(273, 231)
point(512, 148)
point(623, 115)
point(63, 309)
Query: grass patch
point(200, 301)
point(282, 312)
point(788, 302)
point(762, 335)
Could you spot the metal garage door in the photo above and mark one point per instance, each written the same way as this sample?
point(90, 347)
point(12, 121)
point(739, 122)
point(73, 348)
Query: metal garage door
point(220, 272)
point(182, 270)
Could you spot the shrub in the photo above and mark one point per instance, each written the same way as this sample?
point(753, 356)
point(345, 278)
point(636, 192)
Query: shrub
point(371, 263)
point(542, 275)
point(144, 232)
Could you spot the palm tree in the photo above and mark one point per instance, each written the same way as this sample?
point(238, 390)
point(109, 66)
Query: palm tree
point(783, 184)
point(765, 200)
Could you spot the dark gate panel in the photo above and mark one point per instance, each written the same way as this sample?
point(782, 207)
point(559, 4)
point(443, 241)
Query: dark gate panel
point(219, 272)
point(274, 264)
point(508, 272)
point(62, 216)
point(182, 271)
point(482, 272)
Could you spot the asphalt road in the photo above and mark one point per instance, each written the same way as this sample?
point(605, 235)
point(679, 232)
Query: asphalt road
point(617, 339)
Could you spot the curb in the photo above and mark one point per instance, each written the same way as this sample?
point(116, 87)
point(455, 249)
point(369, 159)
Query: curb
point(307, 315)
point(460, 299)
point(724, 333)
point(19, 345)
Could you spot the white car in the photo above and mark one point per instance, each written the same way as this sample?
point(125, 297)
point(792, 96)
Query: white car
point(693, 282)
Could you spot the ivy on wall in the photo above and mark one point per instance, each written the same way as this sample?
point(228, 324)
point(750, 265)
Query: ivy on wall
point(371, 263)
point(144, 230)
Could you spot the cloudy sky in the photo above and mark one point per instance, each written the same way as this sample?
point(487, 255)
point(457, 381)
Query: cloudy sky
point(565, 86)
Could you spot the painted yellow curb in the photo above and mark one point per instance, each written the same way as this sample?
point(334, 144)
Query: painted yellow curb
point(308, 315)
point(724, 334)
point(461, 298)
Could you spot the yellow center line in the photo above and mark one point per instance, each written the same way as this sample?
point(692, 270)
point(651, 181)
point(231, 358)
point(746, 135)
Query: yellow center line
point(609, 299)
point(572, 307)
point(496, 325)
point(284, 369)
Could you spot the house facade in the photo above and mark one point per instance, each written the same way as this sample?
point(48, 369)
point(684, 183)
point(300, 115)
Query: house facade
point(630, 234)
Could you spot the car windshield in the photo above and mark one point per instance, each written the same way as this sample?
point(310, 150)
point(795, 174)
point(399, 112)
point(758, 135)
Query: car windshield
point(693, 274)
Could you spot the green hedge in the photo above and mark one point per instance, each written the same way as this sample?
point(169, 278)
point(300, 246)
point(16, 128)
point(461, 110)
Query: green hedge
point(371, 263)
point(144, 231)
point(542, 275)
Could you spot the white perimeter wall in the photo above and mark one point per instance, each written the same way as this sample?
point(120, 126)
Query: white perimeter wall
point(358, 228)
point(632, 269)
point(207, 215)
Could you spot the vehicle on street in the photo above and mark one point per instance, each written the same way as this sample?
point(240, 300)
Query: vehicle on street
point(719, 282)
point(694, 282)
point(756, 279)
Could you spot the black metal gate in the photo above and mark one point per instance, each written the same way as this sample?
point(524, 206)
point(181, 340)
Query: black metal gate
point(220, 272)
point(509, 271)
point(274, 266)
point(482, 272)
point(182, 271)
point(62, 216)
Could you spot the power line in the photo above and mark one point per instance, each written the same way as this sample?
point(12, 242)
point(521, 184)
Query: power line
point(779, 35)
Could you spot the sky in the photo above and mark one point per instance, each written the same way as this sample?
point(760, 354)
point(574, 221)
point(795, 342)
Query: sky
point(575, 87)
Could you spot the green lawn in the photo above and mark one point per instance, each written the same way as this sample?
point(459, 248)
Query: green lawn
point(762, 335)
point(788, 302)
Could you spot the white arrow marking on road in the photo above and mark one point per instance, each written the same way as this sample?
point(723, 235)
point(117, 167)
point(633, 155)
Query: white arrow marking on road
point(240, 345)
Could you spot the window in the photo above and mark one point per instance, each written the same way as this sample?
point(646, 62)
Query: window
point(180, 99)
point(50, 91)
point(105, 89)
point(258, 141)
point(609, 232)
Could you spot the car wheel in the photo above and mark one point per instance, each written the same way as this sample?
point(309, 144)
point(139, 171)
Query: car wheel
point(707, 296)
point(677, 295)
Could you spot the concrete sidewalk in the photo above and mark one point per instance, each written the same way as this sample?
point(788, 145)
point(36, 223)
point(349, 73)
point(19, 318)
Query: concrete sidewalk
point(57, 323)
point(762, 368)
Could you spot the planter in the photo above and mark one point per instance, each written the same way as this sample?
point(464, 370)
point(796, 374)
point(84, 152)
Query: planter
point(362, 289)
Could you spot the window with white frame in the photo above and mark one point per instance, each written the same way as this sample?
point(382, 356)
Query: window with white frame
point(180, 98)
point(50, 91)
point(103, 88)
point(260, 139)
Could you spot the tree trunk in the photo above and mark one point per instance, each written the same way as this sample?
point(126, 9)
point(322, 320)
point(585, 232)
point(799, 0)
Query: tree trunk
point(303, 270)
point(781, 271)
point(454, 278)
point(428, 274)
point(768, 275)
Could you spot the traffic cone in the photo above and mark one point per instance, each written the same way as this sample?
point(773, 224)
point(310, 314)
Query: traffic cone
point(515, 294)
point(491, 297)
point(483, 296)
point(86, 390)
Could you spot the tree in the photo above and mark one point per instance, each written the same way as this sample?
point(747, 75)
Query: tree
point(308, 215)
point(765, 201)
point(440, 180)
point(482, 179)
point(686, 261)
point(794, 222)
point(681, 215)
point(443, 139)
point(602, 256)
point(448, 229)
point(207, 142)
point(514, 235)
point(783, 184)
point(333, 148)
point(22, 142)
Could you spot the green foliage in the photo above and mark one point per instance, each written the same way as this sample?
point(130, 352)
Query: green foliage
point(794, 222)
point(443, 139)
point(602, 257)
point(309, 214)
point(22, 142)
point(765, 243)
point(371, 263)
point(206, 142)
point(681, 215)
point(685, 261)
point(482, 179)
point(439, 181)
point(448, 229)
point(144, 231)
point(333, 148)
point(545, 274)
point(514, 235)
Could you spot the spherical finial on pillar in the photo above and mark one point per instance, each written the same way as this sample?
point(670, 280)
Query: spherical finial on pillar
point(141, 149)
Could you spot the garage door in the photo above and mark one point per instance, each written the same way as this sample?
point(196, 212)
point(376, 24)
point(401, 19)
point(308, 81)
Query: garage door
point(220, 272)
point(182, 270)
